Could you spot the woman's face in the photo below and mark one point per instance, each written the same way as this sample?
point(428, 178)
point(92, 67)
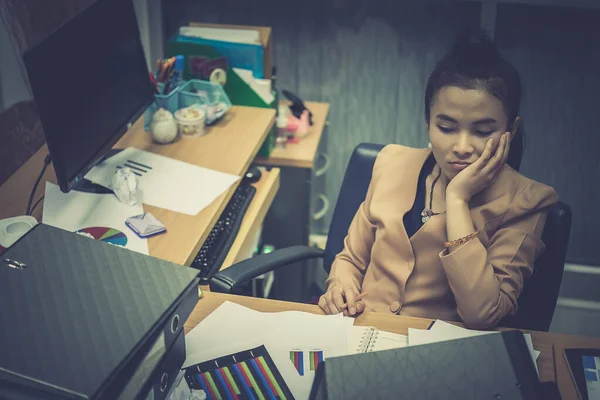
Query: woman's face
point(461, 122)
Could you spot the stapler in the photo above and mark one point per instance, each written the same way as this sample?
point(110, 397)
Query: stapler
point(297, 107)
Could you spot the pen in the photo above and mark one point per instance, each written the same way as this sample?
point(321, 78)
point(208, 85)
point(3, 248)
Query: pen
point(153, 80)
point(159, 64)
point(166, 65)
point(168, 70)
point(177, 70)
point(360, 296)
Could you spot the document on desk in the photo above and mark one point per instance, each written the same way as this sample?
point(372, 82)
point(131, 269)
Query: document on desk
point(288, 336)
point(165, 182)
point(442, 331)
point(101, 216)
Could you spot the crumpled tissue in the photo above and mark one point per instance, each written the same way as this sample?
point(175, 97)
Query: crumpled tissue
point(125, 184)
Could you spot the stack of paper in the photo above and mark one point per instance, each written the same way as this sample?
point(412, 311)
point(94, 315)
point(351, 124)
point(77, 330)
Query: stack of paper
point(262, 87)
point(233, 328)
point(442, 331)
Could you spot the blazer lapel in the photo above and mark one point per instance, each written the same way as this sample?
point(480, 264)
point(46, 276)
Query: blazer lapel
point(409, 190)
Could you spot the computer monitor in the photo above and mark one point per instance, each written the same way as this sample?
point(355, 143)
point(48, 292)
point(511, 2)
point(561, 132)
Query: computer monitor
point(90, 82)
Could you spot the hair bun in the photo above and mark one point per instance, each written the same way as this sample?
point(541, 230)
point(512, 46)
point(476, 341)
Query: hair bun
point(475, 48)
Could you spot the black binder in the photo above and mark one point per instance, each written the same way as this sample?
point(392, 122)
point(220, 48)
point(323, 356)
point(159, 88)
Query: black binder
point(496, 366)
point(81, 318)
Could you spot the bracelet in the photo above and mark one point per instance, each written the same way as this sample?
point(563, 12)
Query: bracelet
point(461, 240)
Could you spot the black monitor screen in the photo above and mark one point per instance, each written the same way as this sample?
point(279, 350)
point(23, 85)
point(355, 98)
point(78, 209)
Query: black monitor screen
point(89, 80)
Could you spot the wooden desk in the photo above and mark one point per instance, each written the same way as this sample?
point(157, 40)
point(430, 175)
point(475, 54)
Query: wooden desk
point(230, 146)
point(542, 341)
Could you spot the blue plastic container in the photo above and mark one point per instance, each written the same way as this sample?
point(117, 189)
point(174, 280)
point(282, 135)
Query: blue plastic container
point(210, 97)
point(169, 102)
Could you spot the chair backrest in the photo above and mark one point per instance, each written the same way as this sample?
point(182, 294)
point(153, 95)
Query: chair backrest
point(352, 193)
point(537, 301)
point(540, 293)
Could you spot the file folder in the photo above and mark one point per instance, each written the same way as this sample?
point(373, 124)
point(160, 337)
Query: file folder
point(480, 367)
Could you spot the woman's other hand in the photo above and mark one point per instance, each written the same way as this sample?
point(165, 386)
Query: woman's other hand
point(332, 302)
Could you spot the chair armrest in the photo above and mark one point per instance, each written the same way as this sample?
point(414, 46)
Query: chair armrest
point(230, 279)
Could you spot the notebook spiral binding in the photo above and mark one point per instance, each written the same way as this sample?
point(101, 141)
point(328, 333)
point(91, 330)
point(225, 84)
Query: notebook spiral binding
point(368, 340)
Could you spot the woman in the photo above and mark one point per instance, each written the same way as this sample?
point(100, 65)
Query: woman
point(449, 232)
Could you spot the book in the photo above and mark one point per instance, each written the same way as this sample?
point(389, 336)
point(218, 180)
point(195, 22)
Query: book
point(239, 55)
point(365, 339)
point(245, 374)
point(248, 36)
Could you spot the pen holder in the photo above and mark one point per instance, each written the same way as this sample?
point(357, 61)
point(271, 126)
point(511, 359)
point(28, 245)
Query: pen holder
point(208, 96)
point(169, 102)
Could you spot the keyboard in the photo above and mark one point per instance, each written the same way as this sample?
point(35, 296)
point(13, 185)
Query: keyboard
point(214, 250)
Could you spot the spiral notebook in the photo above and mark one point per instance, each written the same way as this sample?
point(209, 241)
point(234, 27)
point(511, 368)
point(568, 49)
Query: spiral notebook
point(366, 339)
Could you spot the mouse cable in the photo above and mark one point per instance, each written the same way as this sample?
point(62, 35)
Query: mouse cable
point(47, 162)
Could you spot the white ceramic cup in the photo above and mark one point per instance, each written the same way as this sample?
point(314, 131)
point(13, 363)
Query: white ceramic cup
point(12, 229)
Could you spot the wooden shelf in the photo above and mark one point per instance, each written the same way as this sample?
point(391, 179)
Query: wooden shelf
point(302, 154)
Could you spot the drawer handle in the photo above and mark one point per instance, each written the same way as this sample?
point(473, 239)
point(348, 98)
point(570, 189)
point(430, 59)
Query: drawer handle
point(323, 211)
point(325, 166)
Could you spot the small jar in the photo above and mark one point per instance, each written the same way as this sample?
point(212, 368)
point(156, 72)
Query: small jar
point(190, 121)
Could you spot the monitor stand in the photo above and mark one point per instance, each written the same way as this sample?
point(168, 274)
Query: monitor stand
point(87, 186)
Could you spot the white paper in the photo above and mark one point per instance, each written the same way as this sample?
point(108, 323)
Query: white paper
point(388, 340)
point(232, 328)
point(262, 87)
point(167, 183)
point(77, 210)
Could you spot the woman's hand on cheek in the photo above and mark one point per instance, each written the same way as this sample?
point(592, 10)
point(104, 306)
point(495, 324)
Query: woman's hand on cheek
point(479, 175)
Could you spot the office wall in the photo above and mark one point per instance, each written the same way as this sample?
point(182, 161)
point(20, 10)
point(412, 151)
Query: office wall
point(556, 51)
point(149, 16)
point(13, 87)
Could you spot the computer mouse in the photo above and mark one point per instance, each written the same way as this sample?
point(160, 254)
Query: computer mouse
point(253, 174)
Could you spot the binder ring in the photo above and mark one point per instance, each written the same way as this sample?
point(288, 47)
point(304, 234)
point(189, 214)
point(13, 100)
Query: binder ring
point(175, 323)
point(164, 381)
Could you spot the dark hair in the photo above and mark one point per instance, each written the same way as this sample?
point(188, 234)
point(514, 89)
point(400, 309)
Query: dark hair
point(475, 63)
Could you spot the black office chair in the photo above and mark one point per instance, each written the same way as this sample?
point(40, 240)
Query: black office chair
point(536, 303)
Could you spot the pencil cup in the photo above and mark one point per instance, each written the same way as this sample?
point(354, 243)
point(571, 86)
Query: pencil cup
point(169, 102)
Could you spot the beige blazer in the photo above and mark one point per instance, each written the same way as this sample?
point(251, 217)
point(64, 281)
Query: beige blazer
point(478, 283)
